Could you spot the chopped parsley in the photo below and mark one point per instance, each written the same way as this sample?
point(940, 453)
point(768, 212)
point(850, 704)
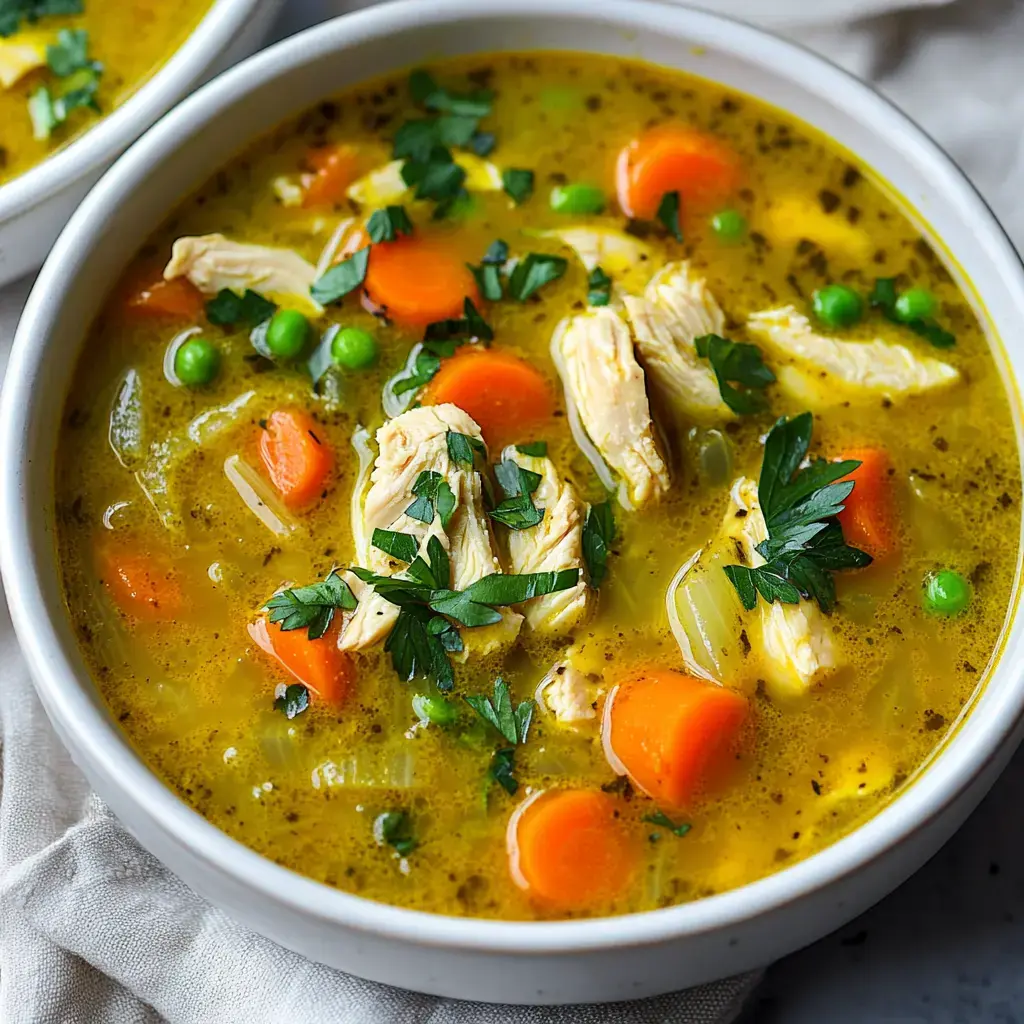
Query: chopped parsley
point(311, 608)
point(387, 224)
point(497, 253)
point(461, 447)
point(736, 361)
point(433, 496)
point(668, 215)
point(394, 829)
point(512, 723)
point(342, 278)
point(517, 183)
point(488, 280)
point(662, 820)
point(599, 288)
point(884, 295)
point(425, 365)
point(228, 308)
point(536, 449)
point(13, 11)
point(470, 325)
point(517, 511)
point(293, 701)
point(79, 76)
point(598, 535)
point(402, 546)
point(805, 543)
point(501, 769)
point(533, 272)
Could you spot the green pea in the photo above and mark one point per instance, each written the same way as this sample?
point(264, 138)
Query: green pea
point(835, 305)
point(946, 593)
point(577, 199)
point(729, 225)
point(287, 334)
point(354, 348)
point(196, 362)
point(915, 304)
point(435, 709)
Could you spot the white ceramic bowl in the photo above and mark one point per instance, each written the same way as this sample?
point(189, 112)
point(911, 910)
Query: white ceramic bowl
point(36, 205)
point(606, 959)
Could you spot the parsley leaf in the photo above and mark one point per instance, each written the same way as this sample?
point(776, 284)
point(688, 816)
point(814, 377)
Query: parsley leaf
point(402, 546)
point(470, 325)
point(513, 724)
point(497, 253)
point(805, 541)
point(483, 143)
point(668, 214)
point(228, 308)
point(598, 535)
point(518, 184)
point(488, 280)
point(425, 363)
point(433, 495)
point(68, 59)
point(70, 53)
point(533, 272)
point(517, 511)
point(739, 362)
point(311, 608)
point(418, 647)
point(461, 447)
point(662, 820)
point(536, 449)
point(501, 768)
point(13, 11)
point(884, 296)
point(342, 278)
point(387, 224)
point(438, 178)
point(293, 701)
point(599, 288)
point(394, 829)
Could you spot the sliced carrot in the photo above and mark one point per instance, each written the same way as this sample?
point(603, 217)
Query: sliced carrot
point(675, 158)
point(419, 280)
point(674, 735)
point(869, 518)
point(317, 664)
point(144, 584)
point(336, 168)
point(507, 397)
point(176, 299)
point(568, 847)
point(297, 459)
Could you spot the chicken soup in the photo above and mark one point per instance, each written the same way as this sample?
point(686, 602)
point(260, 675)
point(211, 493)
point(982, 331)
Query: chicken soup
point(65, 63)
point(538, 487)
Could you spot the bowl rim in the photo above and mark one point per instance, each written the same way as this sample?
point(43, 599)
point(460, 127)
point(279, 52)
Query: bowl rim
point(114, 132)
point(97, 737)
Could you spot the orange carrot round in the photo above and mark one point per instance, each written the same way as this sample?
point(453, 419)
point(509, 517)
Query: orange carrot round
point(177, 299)
point(336, 168)
point(419, 280)
point(869, 519)
point(317, 664)
point(144, 584)
point(297, 459)
point(569, 848)
point(672, 734)
point(675, 158)
point(507, 397)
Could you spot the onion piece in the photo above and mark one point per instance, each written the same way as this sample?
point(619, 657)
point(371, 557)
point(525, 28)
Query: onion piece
point(366, 456)
point(258, 496)
point(171, 354)
point(334, 247)
point(512, 839)
point(614, 762)
point(125, 431)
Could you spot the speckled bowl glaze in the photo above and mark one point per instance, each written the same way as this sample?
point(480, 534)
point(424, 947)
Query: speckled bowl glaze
point(36, 205)
point(529, 962)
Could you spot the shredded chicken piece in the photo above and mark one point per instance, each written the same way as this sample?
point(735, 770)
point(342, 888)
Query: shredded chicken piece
point(676, 309)
point(877, 366)
point(797, 648)
point(568, 693)
point(629, 261)
point(605, 386)
point(213, 262)
point(410, 444)
point(556, 542)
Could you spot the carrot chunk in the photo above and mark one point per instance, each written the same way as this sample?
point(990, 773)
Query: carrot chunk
point(869, 518)
point(144, 584)
point(317, 664)
point(675, 158)
point(298, 461)
point(567, 847)
point(177, 299)
point(419, 280)
point(336, 168)
point(507, 397)
point(673, 734)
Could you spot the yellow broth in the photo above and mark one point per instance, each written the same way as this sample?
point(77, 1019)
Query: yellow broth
point(131, 40)
point(195, 696)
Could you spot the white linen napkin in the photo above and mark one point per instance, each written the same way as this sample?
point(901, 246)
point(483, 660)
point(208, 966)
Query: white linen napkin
point(93, 930)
